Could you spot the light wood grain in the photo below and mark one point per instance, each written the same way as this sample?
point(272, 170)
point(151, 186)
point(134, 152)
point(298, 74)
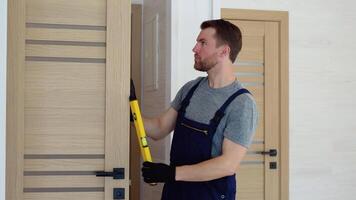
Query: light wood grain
point(250, 28)
point(58, 117)
point(257, 147)
point(272, 111)
point(65, 122)
point(78, 12)
point(251, 79)
point(250, 182)
point(65, 51)
point(64, 196)
point(252, 49)
point(273, 100)
point(62, 181)
point(64, 144)
point(64, 164)
point(241, 68)
point(80, 85)
point(254, 157)
point(284, 99)
point(15, 100)
point(65, 35)
point(257, 15)
point(117, 126)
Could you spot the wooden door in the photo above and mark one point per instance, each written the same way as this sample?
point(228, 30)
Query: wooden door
point(67, 99)
point(262, 67)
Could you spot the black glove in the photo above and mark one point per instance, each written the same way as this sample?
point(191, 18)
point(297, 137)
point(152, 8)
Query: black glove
point(158, 172)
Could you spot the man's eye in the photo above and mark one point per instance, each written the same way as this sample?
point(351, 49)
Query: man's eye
point(203, 43)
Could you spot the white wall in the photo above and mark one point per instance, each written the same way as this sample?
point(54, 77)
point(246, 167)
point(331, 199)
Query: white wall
point(137, 2)
point(3, 29)
point(322, 95)
point(187, 16)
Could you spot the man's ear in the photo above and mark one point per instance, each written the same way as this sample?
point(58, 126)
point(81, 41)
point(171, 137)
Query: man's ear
point(226, 50)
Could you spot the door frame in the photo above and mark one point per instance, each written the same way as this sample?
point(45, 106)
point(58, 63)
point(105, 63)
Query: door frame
point(15, 99)
point(282, 18)
point(136, 75)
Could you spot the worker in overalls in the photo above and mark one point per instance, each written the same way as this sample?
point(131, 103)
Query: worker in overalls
point(214, 119)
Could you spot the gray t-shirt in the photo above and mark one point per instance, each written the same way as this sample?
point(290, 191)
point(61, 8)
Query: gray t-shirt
point(239, 122)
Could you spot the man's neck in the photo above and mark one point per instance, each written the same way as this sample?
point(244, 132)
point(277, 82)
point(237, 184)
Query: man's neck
point(221, 76)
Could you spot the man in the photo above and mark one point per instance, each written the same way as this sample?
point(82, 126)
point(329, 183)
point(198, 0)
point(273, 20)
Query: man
point(213, 119)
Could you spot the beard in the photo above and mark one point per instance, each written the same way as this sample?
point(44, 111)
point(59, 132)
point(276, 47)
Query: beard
point(206, 64)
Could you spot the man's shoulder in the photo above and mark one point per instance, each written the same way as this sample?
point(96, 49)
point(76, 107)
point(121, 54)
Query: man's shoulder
point(245, 100)
point(187, 86)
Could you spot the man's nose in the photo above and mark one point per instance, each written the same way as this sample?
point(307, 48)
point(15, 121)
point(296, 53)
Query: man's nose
point(195, 48)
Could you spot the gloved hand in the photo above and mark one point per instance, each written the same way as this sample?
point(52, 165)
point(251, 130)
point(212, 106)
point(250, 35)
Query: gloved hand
point(158, 172)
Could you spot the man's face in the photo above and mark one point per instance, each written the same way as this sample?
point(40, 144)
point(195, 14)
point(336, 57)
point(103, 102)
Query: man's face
point(205, 50)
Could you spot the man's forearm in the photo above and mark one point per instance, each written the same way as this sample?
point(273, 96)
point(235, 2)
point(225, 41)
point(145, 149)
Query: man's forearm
point(152, 128)
point(159, 127)
point(205, 171)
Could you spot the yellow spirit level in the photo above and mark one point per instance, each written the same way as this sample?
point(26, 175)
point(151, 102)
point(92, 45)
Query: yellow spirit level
point(140, 130)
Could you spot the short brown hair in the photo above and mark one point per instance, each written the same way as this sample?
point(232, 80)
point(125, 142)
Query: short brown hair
point(226, 33)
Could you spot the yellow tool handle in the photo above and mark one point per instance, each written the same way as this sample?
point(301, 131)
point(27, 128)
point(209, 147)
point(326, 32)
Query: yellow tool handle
point(140, 131)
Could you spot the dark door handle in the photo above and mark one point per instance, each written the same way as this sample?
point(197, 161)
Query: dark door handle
point(117, 173)
point(271, 152)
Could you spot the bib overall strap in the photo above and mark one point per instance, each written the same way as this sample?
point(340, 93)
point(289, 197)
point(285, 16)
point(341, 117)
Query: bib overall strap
point(186, 100)
point(219, 114)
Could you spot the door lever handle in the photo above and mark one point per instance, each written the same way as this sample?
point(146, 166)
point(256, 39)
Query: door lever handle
point(117, 173)
point(271, 152)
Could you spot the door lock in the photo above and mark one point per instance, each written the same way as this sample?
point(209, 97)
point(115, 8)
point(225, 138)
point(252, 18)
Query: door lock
point(273, 165)
point(118, 193)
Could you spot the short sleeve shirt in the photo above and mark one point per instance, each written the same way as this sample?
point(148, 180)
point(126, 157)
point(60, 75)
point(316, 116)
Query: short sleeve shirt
point(240, 119)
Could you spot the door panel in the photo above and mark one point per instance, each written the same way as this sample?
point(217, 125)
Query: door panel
point(70, 83)
point(258, 68)
point(39, 163)
point(78, 12)
point(73, 35)
point(64, 100)
point(65, 51)
point(62, 181)
point(253, 72)
point(78, 88)
point(64, 196)
point(252, 178)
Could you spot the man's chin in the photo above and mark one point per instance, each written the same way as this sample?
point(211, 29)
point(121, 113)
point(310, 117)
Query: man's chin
point(197, 67)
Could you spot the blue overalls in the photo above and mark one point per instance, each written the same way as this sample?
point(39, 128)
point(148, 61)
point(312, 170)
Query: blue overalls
point(192, 143)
